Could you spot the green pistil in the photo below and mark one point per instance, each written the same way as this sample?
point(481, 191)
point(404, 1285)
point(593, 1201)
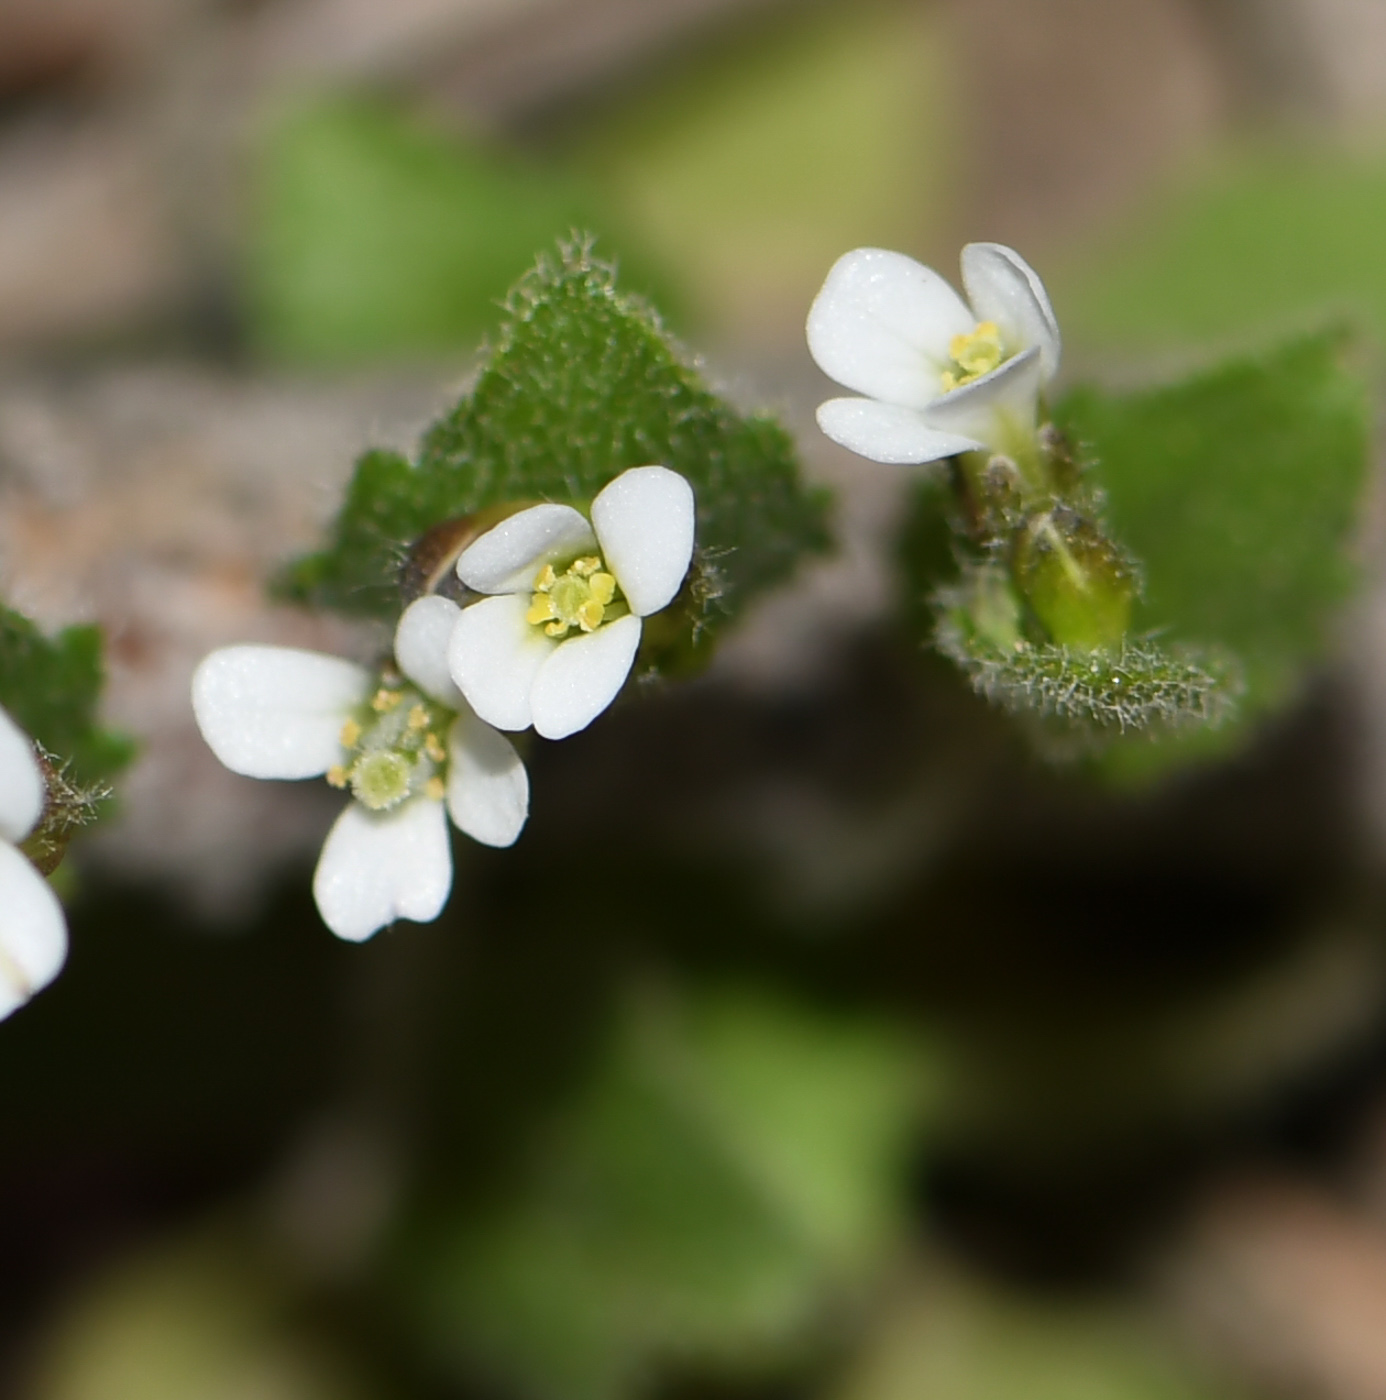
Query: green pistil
point(396, 748)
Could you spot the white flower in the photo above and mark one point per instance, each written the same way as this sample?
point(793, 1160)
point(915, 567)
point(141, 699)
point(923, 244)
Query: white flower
point(33, 931)
point(408, 747)
point(556, 643)
point(940, 377)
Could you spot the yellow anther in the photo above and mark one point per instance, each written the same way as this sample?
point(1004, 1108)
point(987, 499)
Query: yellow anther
point(578, 597)
point(383, 701)
point(351, 734)
point(435, 788)
point(974, 353)
point(337, 776)
point(418, 718)
point(540, 610)
point(434, 749)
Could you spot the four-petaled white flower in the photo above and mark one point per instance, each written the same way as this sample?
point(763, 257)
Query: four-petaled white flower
point(408, 747)
point(940, 377)
point(33, 931)
point(555, 644)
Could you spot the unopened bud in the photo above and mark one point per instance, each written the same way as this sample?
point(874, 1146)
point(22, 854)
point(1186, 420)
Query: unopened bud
point(1077, 582)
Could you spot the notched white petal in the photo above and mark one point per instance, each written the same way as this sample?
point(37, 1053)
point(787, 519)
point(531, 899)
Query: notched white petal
point(488, 788)
point(421, 647)
point(21, 782)
point(507, 557)
point(882, 326)
point(379, 867)
point(582, 677)
point(275, 712)
point(494, 656)
point(1004, 288)
point(645, 521)
point(885, 432)
point(996, 405)
point(33, 931)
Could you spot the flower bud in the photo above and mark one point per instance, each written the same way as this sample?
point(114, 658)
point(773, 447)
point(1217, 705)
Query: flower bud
point(1076, 581)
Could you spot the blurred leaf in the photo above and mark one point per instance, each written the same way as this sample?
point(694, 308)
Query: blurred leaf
point(377, 236)
point(201, 1320)
point(1239, 492)
point(754, 162)
point(52, 686)
point(732, 1165)
point(1249, 240)
point(583, 384)
point(951, 1340)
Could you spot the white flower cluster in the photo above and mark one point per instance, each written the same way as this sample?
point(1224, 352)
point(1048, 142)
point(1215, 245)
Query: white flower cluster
point(549, 647)
point(33, 932)
point(940, 377)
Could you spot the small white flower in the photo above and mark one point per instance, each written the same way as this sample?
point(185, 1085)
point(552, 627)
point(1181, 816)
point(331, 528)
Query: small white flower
point(411, 752)
point(33, 931)
point(556, 643)
point(940, 377)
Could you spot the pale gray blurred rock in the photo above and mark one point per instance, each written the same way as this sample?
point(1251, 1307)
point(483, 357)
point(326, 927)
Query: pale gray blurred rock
point(157, 502)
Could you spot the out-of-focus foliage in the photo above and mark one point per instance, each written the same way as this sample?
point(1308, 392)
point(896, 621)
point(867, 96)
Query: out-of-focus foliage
point(752, 165)
point(1248, 241)
point(1238, 490)
point(375, 236)
point(200, 1318)
point(583, 384)
point(950, 1339)
point(731, 1169)
point(51, 686)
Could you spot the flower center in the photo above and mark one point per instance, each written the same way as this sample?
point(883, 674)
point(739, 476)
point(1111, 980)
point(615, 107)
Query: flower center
point(395, 748)
point(972, 355)
point(583, 596)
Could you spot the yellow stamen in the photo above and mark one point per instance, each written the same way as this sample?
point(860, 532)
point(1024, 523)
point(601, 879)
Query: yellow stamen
point(434, 749)
point(435, 789)
point(973, 354)
point(579, 597)
point(351, 734)
point(337, 776)
point(384, 700)
point(418, 718)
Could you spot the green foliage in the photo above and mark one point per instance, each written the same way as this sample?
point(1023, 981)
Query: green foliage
point(51, 686)
point(952, 1339)
point(1238, 490)
point(732, 1165)
point(377, 236)
point(1251, 240)
point(583, 383)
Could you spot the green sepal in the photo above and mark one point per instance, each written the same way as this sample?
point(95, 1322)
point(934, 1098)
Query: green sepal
point(583, 383)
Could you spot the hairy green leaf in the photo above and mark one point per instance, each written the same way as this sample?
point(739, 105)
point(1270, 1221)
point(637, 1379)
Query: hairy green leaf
point(51, 686)
point(582, 384)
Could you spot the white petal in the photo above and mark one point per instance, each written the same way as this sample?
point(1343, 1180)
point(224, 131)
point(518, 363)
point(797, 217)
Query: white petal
point(885, 432)
point(996, 406)
point(488, 788)
point(33, 932)
point(21, 782)
point(644, 521)
point(1004, 288)
point(275, 712)
point(494, 656)
point(377, 867)
point(506, 558)
point(421, 647)
point(583, 676)
point(882, 325)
